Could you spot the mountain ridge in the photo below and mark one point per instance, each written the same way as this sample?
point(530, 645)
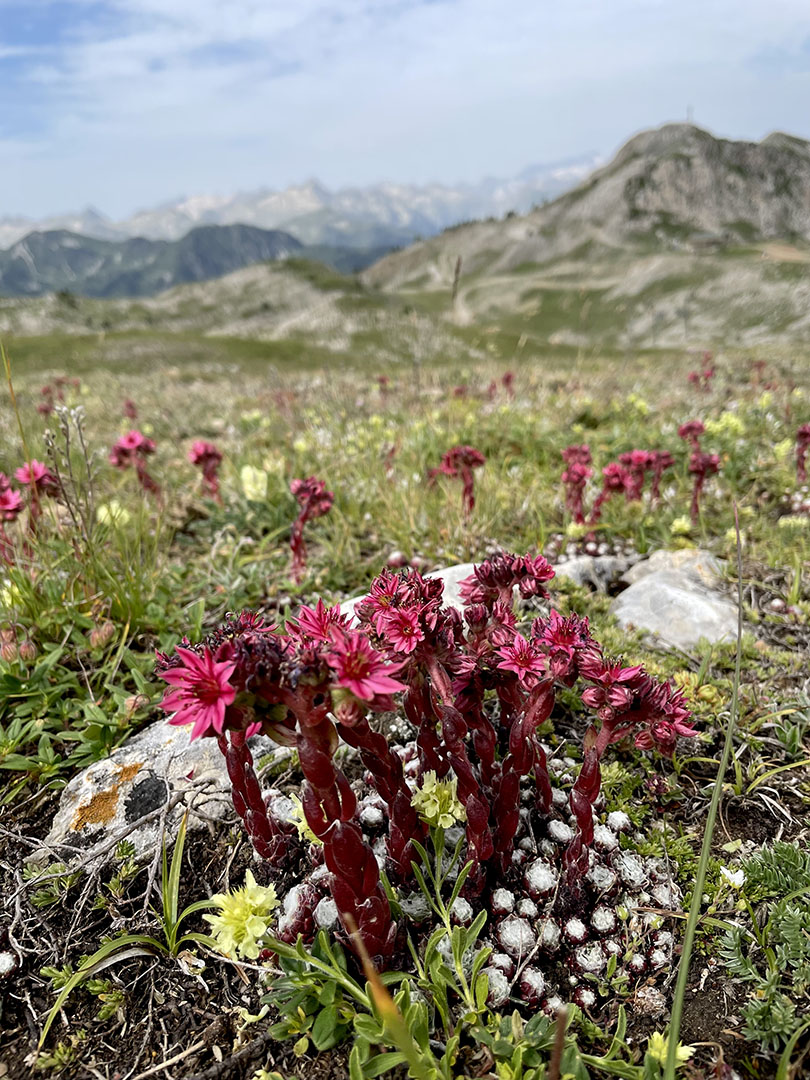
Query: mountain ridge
point(388, 213)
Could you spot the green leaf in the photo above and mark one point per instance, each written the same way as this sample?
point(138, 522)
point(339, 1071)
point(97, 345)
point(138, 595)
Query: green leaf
point(127, 946)
point(355, 1065)
point(381, 1063)
point(323, 1030)
point(369, 1028)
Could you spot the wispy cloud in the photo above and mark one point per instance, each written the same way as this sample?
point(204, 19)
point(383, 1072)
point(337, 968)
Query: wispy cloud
point(123, 102)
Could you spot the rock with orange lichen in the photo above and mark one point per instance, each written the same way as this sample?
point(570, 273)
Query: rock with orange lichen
point(140, 780)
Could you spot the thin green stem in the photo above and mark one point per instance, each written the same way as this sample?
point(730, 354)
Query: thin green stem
point(714, 807)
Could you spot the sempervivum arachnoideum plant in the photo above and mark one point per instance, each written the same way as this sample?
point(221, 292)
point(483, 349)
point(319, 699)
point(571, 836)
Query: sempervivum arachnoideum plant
point(566, 900)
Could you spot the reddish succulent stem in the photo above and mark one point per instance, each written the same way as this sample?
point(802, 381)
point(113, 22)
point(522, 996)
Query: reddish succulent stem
point(267, 837)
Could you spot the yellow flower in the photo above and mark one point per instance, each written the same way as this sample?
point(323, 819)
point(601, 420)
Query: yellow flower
point(794, 521)
point(658, 1047)
point(437, 801)
point(728, 424)
point(783, 451)
point(766, 400)
point(681, 526)
point(575, 531)
point(244, 917)
point(639, 404)
point(254, 483)
point(113, 513)
point(301, 824)
point(300, 445)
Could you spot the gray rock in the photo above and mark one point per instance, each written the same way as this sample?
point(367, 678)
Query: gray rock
point(598, 571)
point(671, 596)
point(103, 801)
point(701, 566)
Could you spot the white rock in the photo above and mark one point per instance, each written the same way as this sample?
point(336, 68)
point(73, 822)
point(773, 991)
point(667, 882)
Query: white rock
point(672, 597)
point(451, 576)
point(597, 571)
point(105, 799)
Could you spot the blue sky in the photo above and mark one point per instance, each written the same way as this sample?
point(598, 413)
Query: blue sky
point(124, 103)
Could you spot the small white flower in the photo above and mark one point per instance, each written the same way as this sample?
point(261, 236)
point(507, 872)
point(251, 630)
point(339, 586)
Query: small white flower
point(735, 878)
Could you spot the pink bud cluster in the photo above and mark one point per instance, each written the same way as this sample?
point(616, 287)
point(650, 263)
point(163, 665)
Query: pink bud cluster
point(701, 464)
point(208, 459)
point(314, 501)
point(627, 475)
point(802, 445)
point(703, 378)
point(475, 690)
point(55, 392)
point(131, 450)
point(460, 461)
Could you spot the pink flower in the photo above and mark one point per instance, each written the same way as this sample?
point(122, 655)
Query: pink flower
point(204, 454)
point(38, 476)
point(317, 623)
point(359, 669)
point(401, 629)
point(523, 659)
point(614, 689)
point(10, 504)
point(201, 691)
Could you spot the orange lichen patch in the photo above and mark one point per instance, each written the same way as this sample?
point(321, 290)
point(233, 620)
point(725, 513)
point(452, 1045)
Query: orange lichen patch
point(103, 804)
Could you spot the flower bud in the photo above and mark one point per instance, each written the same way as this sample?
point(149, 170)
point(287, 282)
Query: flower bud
point(7, 634)
point(28, 651)
point(101, 635)
point(9, 651)
point(135, 702)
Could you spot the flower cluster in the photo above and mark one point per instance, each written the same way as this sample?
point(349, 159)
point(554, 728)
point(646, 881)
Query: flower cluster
point(133, 449)
point(208, 459)
point(243, 919)
point(627, 475)
point(703, 379)
point(475, 690)
point(314, 501)
point(55, 392)
point(459, 461)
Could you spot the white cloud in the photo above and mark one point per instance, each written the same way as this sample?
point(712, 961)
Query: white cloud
point(163, 96)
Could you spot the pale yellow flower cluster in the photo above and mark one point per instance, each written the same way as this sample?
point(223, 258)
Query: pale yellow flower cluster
point(437, 801)
point(727, 425)
point(244, 917)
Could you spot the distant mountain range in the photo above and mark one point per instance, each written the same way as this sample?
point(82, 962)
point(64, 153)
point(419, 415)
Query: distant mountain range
point(378, 216)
